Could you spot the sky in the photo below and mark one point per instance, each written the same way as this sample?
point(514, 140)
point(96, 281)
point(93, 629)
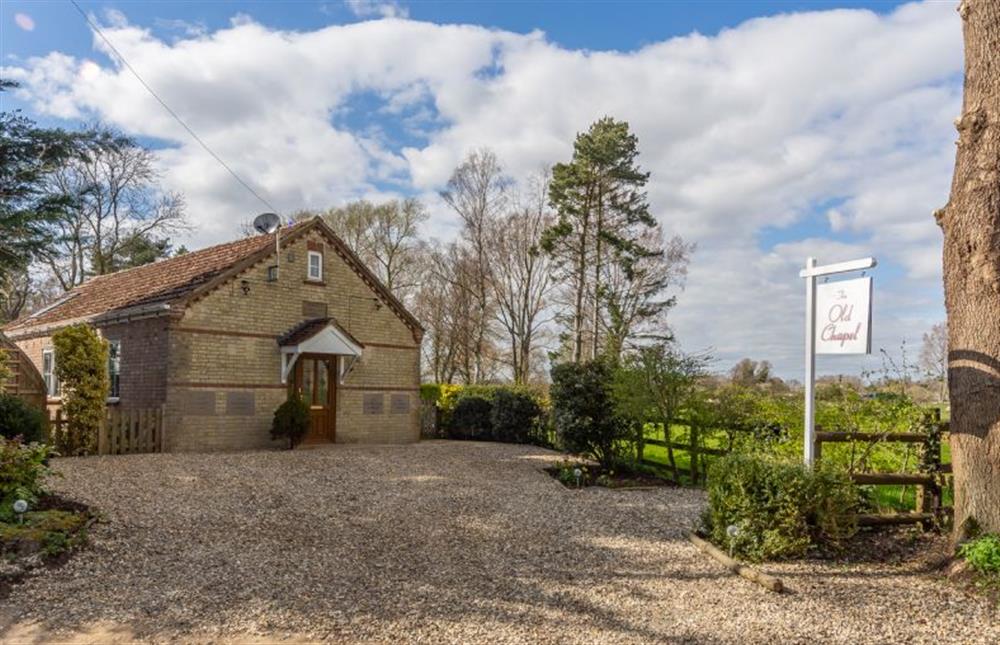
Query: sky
point(773, 131)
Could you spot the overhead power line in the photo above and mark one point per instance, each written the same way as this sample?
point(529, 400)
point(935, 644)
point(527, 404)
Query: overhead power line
point(166, 107)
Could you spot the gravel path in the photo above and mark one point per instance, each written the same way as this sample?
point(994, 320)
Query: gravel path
point(438, 542)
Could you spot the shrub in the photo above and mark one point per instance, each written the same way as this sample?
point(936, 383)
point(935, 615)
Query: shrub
point(583, 411)
point(291, 420)
point(471, 419)
point(780, 509)
point(983, 555)
point(23, 468)
point(82, 367)
point(430, 392)
point(5, 372)
point(514, 416)
point(20, 419)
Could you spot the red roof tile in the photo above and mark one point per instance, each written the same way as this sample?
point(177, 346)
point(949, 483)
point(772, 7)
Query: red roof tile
point(159, 282)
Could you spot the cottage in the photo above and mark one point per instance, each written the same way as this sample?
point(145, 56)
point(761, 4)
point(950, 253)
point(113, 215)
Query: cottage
point(218, 337)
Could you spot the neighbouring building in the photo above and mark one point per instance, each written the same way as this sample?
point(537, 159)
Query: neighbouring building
point(218, 337)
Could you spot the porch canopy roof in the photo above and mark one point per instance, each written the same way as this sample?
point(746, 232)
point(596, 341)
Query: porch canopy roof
point(318, 336)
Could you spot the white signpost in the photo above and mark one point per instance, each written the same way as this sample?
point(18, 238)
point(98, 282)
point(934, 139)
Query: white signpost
point(838, 321)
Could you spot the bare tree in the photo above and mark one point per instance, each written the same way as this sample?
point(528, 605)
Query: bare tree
point(454, 349)
point(635, 300)
point(934, 357)
point(478, 193)
point(971, 225)
point(385, 236)
point(521, 280)
point(116, 205)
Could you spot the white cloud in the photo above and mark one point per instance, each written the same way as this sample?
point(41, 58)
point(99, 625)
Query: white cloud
point(833, 127)
point(366, 8)
point(24, 21)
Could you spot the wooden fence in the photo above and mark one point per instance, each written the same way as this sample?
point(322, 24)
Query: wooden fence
point(696, 451)
point(123, 431)
point(930, 481)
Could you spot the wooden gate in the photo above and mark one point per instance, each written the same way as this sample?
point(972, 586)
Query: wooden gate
point(123, 431)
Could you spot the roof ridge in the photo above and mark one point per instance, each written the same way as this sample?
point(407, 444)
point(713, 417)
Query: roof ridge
point(188, 254)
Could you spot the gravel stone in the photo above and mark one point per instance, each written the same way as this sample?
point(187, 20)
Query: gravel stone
point(438, 542)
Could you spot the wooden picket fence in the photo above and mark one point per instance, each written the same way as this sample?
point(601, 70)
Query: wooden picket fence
point(123, 432)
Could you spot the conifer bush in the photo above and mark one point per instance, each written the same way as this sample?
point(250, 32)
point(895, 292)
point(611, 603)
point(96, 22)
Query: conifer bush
point(291, 420)
point(82, 368)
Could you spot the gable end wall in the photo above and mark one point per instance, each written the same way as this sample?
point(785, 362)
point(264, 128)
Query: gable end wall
point(224, 349)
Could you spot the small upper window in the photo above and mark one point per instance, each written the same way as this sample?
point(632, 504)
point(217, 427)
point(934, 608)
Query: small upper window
point(315, 270)
point(114, 368)
point(49, 372)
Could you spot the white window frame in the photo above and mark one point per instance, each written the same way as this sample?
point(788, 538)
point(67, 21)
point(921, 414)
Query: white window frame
point(112, 396)
point(52, 389)
point(309, 266)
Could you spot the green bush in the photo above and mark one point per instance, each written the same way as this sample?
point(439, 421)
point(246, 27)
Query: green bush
point(583, 411)
point(5, 372)
point(780, 509)
point(291, 420)
point(471, 419)
point(983, 555)
point(430, 392)
point(20, 419)
point(23, 469)
point(82, 368)
point(514, 416)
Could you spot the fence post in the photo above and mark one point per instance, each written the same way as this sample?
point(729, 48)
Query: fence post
point(693, 451)
point(102, 433)
point(817, 447)
point(929, 496)
point(162, 430)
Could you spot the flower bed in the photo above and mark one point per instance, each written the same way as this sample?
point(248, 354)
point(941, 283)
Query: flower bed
point(579, 474)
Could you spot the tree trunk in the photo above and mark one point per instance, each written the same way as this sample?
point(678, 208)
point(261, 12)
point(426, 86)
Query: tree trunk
point(971, 225)
point(596, 319)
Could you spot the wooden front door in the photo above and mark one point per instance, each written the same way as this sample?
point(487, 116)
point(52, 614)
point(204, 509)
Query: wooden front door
point(314, 379)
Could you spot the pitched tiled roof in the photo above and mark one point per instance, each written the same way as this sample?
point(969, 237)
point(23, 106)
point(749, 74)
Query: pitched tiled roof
point(160, 282)
point(176, 279)
point(309, 328)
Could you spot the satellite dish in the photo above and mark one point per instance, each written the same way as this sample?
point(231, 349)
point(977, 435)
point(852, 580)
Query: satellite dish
point(266, 223)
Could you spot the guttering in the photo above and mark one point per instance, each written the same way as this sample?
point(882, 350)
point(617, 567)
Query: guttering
point(133, 313)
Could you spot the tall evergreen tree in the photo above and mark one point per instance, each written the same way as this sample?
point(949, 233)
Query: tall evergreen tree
point(603, 211)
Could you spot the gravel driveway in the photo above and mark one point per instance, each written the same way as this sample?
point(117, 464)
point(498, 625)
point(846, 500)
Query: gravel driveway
point(437, 542)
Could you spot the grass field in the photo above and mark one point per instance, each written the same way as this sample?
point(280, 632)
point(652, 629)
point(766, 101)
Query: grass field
point(884, 498)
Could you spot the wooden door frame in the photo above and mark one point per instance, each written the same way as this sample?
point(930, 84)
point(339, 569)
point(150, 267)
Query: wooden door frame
point(332, 363)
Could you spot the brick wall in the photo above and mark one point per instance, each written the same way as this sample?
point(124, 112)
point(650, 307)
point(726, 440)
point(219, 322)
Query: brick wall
point(226, 343)
point(143, 360)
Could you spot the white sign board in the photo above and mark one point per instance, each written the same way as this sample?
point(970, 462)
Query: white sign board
point(844, 317)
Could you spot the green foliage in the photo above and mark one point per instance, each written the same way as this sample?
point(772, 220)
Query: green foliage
point(29, 208)
point(514, 417)
point(653, 385)
point(19, 419)
point(983, 555)
point(23, 469)
point(291, 420)
point(5, 372)
point(780, 509)
point(430, 392)
point(82, 368)
point(471, 419)
point(583, 411)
